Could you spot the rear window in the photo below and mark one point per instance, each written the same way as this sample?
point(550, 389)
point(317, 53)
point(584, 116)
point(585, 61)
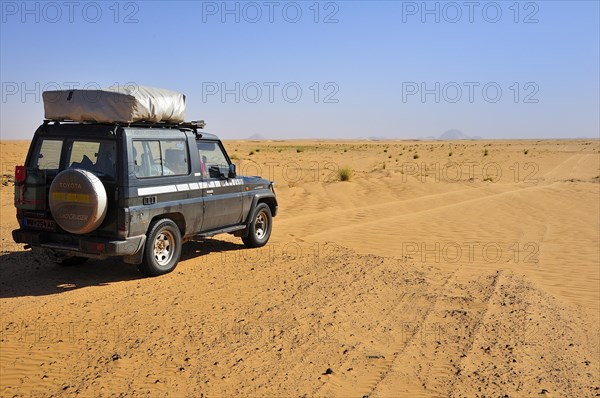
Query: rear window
point(99, 157)
point(47, 155)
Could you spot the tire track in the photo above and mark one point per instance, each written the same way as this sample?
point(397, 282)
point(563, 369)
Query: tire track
point(428, 210)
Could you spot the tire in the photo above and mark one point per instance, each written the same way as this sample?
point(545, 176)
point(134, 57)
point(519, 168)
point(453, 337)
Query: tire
point(162, 249)
point(260, 227)
point(78, 201)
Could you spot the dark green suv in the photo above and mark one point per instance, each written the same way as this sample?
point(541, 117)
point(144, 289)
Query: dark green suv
point(138, 191)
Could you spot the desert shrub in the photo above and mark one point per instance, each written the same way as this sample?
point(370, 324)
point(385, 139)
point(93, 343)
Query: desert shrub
point(416, 156)
point(345, 174)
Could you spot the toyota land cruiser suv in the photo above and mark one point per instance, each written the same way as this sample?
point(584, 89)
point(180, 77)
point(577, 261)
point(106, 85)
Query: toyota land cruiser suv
point(137, 191)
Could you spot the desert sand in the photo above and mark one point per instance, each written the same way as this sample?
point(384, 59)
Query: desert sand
point(440, 269)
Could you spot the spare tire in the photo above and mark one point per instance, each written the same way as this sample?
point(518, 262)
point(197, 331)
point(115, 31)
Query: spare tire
point(78, 201)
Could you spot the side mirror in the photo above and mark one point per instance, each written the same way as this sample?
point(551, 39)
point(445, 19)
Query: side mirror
point(232, 173)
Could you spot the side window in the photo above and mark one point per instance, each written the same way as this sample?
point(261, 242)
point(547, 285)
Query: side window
point(160, 158)
point(96, 156)
point(213, 162)
point(47, 155)
point(175, 157)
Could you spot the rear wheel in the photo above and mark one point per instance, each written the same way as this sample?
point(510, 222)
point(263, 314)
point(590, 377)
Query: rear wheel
point(260, 227)
point(162, 249)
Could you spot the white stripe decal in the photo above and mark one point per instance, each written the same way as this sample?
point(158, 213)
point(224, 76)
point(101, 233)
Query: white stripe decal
point(188, 187)
point(156, 190)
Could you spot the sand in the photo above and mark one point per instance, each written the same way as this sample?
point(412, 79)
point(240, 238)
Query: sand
point(441, 269)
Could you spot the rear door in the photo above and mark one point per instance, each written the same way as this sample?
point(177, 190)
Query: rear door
point(222, 195)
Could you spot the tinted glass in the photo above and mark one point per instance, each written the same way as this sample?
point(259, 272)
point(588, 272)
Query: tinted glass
point(99, 157)
point(47, 155)
point(160, 158)
point(212, 160)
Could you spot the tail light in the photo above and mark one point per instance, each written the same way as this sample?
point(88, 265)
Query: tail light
point(20, 174)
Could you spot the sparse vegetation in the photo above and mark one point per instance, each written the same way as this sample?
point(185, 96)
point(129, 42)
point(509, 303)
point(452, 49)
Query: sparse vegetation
point(416, 156)
point(345, 174)
point(299, 150)
point(526, 151)
point(7, 179)
point(234, 157)
point(450, 154)
point(251, 153)
point(485, 153)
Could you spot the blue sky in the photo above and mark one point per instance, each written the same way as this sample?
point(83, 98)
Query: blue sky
point(319, 69)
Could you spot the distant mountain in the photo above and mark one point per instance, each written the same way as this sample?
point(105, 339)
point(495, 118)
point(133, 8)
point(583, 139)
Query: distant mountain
point(453, 135)
point(256, 137)
point(456, 135)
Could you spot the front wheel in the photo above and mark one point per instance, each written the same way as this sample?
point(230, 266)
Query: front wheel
point(162, 249)
point(259, 230)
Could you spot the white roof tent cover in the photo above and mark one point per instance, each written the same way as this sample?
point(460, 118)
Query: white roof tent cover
point(115, 105)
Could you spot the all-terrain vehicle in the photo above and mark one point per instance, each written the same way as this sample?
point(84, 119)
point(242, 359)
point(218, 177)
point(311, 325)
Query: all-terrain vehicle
point(134, 189)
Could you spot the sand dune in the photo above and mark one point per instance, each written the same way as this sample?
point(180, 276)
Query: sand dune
point(461, 269)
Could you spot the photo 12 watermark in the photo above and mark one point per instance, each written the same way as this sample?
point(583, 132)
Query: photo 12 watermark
point(291, 172)
point(470, 171)
point(453, 12)
point(252, 12)
point(61, 332)
point(33, 92)
point(52, 12)
point(468, 252)
point(249, 331)
point(284, 253)
point(470, 92)
point(271, 92)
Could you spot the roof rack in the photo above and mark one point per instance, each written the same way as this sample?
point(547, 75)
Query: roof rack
point(194, 124)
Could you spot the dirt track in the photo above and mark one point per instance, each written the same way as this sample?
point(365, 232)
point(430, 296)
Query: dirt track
point(361, 291)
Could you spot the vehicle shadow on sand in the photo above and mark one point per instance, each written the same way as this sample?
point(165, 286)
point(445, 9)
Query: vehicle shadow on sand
point(31, 273)
point(196, 248)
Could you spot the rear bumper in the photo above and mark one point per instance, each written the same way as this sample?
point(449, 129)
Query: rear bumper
point(80, 246)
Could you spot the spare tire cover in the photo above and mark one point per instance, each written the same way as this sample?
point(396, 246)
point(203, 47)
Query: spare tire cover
point(78, 201)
